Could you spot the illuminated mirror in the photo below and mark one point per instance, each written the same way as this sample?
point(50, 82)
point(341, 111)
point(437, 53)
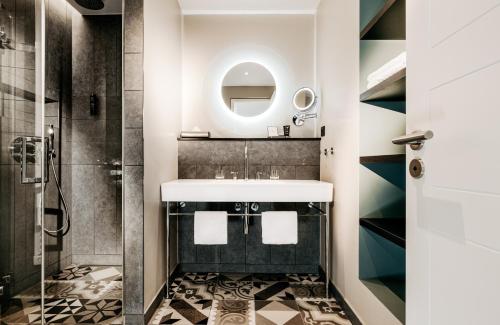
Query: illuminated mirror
point(248, 89)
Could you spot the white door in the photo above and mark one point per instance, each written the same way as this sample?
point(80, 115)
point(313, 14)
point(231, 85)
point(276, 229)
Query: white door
point(453, 212)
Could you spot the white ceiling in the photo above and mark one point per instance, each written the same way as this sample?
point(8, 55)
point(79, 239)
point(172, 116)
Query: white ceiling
point(111, 7)
point(250, 6)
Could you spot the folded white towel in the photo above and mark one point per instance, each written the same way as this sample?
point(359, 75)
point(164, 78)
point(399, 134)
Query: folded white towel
point(279, 227)
point(210, 228)
point(387, 70)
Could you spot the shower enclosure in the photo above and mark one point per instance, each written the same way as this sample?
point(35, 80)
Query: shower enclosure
point(60, 164)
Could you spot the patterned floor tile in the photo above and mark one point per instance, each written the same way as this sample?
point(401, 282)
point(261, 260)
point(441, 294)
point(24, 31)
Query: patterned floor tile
point(305, 278)
point(272, 291)
point(73, 296)
point(229, 312)
point(308, 291)
point(234, 290)
point(71, 272)
point(52, 289)
point(105, 273)
point(322, 312)
point(201, 277)
point(21, 311)
point(174, 285)
point(75, 311)
point(67, 311)
point(277, 313)
point(195, 291)
point(76, 289)
point(183, 312)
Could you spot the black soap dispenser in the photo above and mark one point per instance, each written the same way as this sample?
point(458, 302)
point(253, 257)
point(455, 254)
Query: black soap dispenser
point(93, 105)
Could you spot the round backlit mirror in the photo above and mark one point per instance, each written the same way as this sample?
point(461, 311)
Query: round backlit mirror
point(304, 99)
point(248, 89)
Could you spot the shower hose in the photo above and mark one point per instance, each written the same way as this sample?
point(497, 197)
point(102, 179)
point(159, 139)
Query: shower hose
point(67, 220)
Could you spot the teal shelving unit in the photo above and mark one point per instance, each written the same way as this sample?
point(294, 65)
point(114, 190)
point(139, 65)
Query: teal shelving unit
point(382, 223)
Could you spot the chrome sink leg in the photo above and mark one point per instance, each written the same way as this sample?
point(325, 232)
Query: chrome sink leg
point(246, 219)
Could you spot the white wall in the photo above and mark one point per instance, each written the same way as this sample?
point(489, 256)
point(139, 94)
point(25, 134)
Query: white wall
point(215, 43)
point(338, 82)
point(162, 121)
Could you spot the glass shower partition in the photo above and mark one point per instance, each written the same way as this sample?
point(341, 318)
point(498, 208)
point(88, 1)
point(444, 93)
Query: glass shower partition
point(23, 160)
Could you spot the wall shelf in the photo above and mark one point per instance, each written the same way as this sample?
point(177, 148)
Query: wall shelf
point(393, 229)
point(391, 89)
point(399, 158)
point(388, 23)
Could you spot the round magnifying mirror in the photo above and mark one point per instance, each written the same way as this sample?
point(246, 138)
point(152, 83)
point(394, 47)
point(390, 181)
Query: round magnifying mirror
point(304, 99)
point(248, 89)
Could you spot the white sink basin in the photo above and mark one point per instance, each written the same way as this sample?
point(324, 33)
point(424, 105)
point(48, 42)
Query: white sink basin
point(212, 190)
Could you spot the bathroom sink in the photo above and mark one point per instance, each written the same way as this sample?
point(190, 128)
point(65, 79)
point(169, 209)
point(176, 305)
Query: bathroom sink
point(211, 190)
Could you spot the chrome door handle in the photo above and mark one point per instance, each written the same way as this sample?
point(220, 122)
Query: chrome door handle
point(415, 140)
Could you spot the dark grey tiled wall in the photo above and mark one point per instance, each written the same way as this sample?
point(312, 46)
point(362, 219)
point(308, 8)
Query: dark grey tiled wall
point(294, 159)
point(17, 118)
point(133, 162)
point(96, 142)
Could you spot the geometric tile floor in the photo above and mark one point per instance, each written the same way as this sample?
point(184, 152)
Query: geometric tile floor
point(75, 295)
point(261, 299)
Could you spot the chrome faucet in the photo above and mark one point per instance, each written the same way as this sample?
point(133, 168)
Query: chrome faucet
point(246, 161)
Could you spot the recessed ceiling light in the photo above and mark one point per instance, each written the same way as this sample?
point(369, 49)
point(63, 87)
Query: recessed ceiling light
point(246, 73)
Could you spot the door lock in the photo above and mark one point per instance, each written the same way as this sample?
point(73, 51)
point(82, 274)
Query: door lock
point(417, 168)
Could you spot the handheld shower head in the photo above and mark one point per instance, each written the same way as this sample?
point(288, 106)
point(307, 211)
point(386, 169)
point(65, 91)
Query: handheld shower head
point(52, 150)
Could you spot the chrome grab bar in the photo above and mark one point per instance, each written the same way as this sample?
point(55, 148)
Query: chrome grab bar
point(415, 140)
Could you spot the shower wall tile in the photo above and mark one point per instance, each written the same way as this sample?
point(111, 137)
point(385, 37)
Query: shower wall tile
point(92, 259)
point(133, 72)
point(133, 113)
point(133, 307)
point(133, 147)
point(88, 153)
point(134, 26)
point(96, 139)
point(133, 240)
point(18, 118)
point(105, 202)
point(114, 107)
point(83, 209)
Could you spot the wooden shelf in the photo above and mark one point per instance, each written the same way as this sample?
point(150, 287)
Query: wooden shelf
point(388, 24)
point(391, 89)
point(392, 229)
point(400, 158)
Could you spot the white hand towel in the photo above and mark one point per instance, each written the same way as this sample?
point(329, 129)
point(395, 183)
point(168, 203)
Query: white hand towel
point(210, 228)
point(279, 227)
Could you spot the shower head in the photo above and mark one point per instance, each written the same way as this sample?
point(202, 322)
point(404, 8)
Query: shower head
point(91, 4)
